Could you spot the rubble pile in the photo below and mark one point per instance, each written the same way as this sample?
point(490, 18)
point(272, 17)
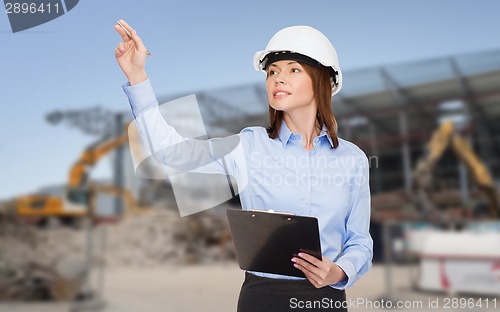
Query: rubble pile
point(38, 264)
point(50, 263)
point(161, 238)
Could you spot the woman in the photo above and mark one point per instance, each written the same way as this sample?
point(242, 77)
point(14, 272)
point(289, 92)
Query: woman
point(297, 165)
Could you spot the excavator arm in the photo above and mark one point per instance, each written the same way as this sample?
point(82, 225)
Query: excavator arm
point(480, 173)
point(78, 189)
point(424, 170)
point(90, 156)
point(422, 175)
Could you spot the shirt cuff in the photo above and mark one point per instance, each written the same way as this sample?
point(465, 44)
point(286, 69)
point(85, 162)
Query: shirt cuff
point(349, 270)
point(141, 96)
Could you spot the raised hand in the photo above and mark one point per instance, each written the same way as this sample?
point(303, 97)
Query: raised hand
point(131, 54)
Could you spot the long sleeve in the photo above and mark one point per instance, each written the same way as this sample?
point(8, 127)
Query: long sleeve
point(188, 163)
point(169, 148)
point(357, 253)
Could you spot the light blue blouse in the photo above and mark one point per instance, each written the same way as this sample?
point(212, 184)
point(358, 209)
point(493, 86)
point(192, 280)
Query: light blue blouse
point(331, 184)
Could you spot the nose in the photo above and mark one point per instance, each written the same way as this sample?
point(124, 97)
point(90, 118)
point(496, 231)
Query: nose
point(279, 78)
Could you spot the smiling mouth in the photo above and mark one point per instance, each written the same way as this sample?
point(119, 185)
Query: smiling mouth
point(280, 93)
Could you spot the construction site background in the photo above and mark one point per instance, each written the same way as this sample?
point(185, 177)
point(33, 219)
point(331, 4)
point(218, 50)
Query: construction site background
point(429, 127)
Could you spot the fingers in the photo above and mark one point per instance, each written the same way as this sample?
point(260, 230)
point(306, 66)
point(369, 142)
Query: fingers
point(315, 281)
point(300, 263)
point(122, 33)
point(317, 271)
point(138, 42)
point(304, 266)
point(133, 35)
point(119, 50)
point(127, 26)
point(310, 263)
point(310, 258)
point(121, 47)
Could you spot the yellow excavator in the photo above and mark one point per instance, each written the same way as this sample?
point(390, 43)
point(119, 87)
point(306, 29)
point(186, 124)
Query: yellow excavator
point(80, 195)
point(39, 208)
point(443, 137)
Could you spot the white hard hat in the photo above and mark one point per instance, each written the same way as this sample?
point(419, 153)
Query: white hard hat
point(306, 41)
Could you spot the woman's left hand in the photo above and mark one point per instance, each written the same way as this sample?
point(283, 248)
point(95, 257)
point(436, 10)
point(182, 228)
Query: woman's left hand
point(320, 273)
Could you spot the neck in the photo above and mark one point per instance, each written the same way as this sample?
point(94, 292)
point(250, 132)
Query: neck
point(303, 123)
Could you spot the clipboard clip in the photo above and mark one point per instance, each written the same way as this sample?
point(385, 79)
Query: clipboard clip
point(272, 211)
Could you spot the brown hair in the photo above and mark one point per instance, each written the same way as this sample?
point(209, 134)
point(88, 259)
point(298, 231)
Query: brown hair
point(322, 95)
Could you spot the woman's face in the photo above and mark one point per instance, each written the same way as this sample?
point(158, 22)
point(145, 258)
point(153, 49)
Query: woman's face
point(289, 86)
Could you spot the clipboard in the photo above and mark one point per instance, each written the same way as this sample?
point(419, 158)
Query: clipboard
point(267, 241)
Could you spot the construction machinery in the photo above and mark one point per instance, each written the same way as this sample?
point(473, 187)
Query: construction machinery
point(78, 191)
point(438, 227)
point(40, 208)
point(422, 177)
point(456, 255)
point(59, 272)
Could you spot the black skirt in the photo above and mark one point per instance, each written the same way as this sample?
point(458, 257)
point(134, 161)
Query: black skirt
point(261, 294)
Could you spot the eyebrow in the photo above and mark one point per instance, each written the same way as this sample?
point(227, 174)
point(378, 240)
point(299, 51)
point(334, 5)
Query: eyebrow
point(286, 64)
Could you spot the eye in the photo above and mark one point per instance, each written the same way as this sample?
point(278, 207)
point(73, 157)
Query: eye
point(270, 73)
point(295, 70)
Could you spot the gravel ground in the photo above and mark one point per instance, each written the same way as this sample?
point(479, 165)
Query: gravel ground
point(215, 288)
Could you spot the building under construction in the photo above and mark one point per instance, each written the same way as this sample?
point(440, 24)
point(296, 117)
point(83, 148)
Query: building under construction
point(389, 111)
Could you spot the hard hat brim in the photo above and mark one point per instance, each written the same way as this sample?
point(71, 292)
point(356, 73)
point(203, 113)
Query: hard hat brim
point(259, 66)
